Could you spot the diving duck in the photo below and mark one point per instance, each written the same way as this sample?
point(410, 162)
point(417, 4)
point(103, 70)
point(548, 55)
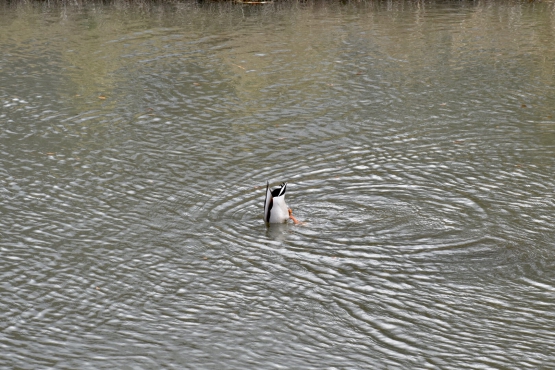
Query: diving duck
point(275, 209)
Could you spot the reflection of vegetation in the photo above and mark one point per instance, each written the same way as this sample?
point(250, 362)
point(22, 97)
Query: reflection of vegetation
point(111, 65)
point(269, 50)
point(99, 38)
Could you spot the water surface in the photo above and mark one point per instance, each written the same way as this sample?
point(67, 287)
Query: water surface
point(417, 139)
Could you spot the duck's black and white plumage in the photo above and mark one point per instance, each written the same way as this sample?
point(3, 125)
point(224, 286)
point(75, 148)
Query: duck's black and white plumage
point(275, 209)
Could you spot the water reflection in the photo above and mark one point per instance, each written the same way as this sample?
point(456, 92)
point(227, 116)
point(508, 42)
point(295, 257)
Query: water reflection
point(416, 139)
point(278, 232)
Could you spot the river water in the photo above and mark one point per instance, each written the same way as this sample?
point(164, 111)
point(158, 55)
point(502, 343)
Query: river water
point(417, 139)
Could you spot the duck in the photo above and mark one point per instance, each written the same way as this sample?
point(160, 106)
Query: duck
point(275, 208)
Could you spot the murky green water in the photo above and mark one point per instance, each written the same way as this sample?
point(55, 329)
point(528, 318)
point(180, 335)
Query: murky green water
point(418, 140)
